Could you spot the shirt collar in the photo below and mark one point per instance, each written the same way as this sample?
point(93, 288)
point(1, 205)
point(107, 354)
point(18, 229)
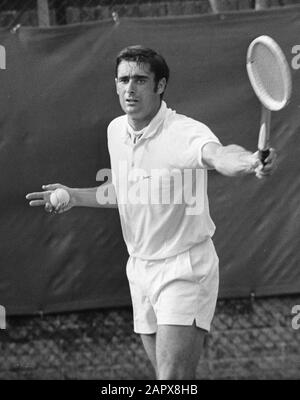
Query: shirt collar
point(152, 127)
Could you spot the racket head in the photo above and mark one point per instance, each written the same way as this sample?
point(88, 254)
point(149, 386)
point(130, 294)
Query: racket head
point(269, 73)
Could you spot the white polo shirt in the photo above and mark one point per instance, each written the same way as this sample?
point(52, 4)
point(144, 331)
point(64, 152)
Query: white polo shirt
point(161, 183)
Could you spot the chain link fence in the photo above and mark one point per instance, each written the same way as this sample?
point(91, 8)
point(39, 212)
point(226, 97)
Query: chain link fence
point(61, 12)
point(250, 339)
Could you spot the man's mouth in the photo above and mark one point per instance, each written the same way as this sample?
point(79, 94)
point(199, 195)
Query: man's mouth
point(131, 101)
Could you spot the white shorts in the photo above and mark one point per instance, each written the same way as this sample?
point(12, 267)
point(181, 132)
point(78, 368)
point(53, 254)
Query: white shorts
point(175, 291)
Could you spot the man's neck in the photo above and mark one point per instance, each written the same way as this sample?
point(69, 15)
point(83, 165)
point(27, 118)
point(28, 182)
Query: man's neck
point(138, 125)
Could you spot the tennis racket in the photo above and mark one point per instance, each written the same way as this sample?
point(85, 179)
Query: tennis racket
point(270, 77)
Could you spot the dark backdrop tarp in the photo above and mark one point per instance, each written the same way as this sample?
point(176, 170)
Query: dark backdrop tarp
point(57, 98)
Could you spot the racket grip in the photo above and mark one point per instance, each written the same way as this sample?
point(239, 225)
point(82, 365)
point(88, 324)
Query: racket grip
point(263, 154)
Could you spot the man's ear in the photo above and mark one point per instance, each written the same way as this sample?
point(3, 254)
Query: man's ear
point(116, 83)
point(161, 85)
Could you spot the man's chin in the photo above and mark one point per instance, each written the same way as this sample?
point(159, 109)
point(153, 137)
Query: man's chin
point(132, 111)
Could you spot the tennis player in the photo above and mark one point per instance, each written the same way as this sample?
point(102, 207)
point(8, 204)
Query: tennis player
point(157, 154)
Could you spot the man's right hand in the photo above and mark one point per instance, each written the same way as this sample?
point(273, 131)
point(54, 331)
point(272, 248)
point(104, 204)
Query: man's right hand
point(43, 198)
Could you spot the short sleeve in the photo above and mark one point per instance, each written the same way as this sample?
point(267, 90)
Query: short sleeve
point(191, 136)
point(114, 135)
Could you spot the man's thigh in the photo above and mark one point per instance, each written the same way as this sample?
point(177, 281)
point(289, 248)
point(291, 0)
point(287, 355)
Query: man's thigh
point(178, 349)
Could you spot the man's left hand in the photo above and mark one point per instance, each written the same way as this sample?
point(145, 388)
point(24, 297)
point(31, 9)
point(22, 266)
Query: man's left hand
point(269, 166)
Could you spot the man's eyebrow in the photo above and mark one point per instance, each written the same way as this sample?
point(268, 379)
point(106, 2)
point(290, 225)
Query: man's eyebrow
point(136, 76)
point(141, 76)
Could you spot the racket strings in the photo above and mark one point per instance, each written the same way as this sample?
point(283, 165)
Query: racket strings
point(268, 73)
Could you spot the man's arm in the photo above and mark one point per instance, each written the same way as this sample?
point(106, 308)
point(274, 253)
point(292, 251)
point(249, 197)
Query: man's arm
point(103, 196)
point(234, 160)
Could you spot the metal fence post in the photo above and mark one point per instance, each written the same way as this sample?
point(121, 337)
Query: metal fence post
point(43, 12)
point(2, 317)
point(262, 4)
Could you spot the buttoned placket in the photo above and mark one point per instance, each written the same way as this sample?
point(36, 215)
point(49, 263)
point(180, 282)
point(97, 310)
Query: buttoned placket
point(134, 149)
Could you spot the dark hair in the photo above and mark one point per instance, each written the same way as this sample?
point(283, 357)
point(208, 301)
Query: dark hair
point(141, 54)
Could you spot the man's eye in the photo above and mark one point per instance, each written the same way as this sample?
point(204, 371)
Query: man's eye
point(123, 80)
point(141, 81)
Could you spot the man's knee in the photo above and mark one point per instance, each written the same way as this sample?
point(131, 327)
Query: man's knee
point(169, 370)
point(178, 351)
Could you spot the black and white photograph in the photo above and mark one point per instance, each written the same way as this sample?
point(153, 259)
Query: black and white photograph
point(149, 203)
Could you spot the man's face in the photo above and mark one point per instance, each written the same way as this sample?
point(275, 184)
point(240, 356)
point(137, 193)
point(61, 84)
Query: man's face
point(138, 95)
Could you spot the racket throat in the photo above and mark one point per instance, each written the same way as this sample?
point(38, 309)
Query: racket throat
point(264, 133)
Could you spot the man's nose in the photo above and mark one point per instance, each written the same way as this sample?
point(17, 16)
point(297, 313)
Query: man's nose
point(131, 86)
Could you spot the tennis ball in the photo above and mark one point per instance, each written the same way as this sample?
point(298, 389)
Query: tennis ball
point(60, 197)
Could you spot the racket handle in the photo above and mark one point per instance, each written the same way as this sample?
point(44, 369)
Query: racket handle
point(263, 154)
point(264, 134)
